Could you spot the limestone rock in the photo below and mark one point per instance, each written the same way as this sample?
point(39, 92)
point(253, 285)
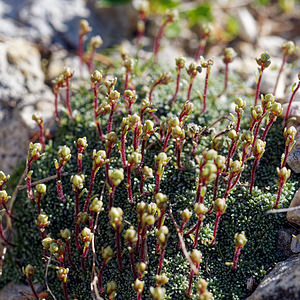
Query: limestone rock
point(12, 291)
point(248, 27)
point(294, 215)
point(295, 244)
point(284, 239)
point(281, 283)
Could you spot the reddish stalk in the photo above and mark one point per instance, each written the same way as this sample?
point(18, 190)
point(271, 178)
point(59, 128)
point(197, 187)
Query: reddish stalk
point(284, 59)
point(142, 181)
point(28, 179)
point(8, 212)
point(217, 220)
point(190, 89)
point(122, 149)
point(93, 175)
point(4, 238)
point(32, 288)
point(129, 190)
point(152, 89)
point(161, 260)
point(110, 119)
point(42, 136)
point(118, 244)
point(191, 280)
point(98, 125)
point(290, 103)
point(68, 97)
point(236, 257)
point(157, 40)
point(59, 184)
point(111, 197)
point(100, 276)
point(205, 90)
point(198, 225)
point(69, 254)
point(177, 88)
point(280, 186)
point(225, 79)
point(65, 289)
point(200, 49)
point(258, 85)
point(168, 135)
point(56, 104)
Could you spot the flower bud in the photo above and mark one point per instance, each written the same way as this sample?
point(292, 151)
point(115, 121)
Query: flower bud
point(96, 42)
point(141, 207)
point(173, 122)
point(3, 178)
point(68, 72)
point(162, 159)
point(96, 77)
point(151, 208)
point(116, 217)
point(180, 62)
point(185, 215)
point(235, 166)
point(3, 196)
point(107, 253)
point(42, 221)
point(86, 235)
point(65, 234)
point(196, 256)
point(220, 205)
point(77, 181)
point(114, 96)
point(290, 133)
point(147, 172)
point(217, 143)
point(161, 279)
point(240, 103)
point(162, 235)
point(139, 286)
point(209, 154)
point(193, 70)
point(267, 101)
point(38, 119)
point(276, 109)
point(99, 158)
point(62, 274)
point(264, 60)
point(178, 133)
point(158, 293)
point(64, 153)
point(148, 220)
point(84, 27)
point(283, 174)
point(220, 162)
point(96, 205)
point(28, 271)
point(161, 200)
point(148, 127)
point(289, 47)
point(110, 82)
point(131, 235)
point(240, 239)
point(141, 267)
point(111, 288)
point(134, 158)
point(116, 176)
point(200, 209)
point(232, 135)
point(129, 64)
point(46, 242)
point(229, 55)
point(259, 147)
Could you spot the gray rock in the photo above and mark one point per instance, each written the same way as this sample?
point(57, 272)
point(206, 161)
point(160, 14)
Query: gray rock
point(272, 44)
point(22, 87)
point(294, 215)
point(248, 28)
point(284, 239)
point(281, 283)
point(56, 21)
point(12, 291)
point(295, 244)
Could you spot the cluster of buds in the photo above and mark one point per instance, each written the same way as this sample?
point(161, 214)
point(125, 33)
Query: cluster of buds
point(219, 205)
point(107, 254)
point(34, 152)
point(131, 238)
point(180, 64)
point(39, 195)
point(288, 47)
point(134, 159)
point(99, 159)
point(203, 293)
point(205, 32)
point(161, 202)
point(192, 71)
point(29, 271)
point(3, 197)
point(81, 144)
point(161, 279)
point(206, 65)
point(146, 107)
point(40, 123)
point(129, 64)
point(162, 238)
point(111, 290)
point(229, 55)
point(256, 114)
point(185, 216)
point(264, 60)
point(172, 123)
point(158, 293)
point(187, 109)
point(96, 206)
point(77, 181)
point(86, 237)
point(42, 221)
point(96, 42)
point(138, 286)
point(115, 176)
point(3, 179)
point(56, 248)
point(143, 9)
point(96, 78)
point(113, 98)
point(110, 141)
point(64, 155)
point(110, 83)
point(62, 274)
point(130, 98)
point(240, 242)
point(85, 28)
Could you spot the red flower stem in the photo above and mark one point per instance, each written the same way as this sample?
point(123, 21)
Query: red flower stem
point(142, 18)
point(197, 199)
point(139, 296)
point(157, 181)
point(42, 136)
point(284, 58)
point(152, 89)
point(286, 152)
point(111, 197)
point(258, 85)
point(236, 257)
point(200, 49)
point(217, 220)
point(4, 238)
point(158, 39)
point(118, 244)
point(139, 232)
point(136, 139)
point(190, 89)
point(83, 257)
point(122, 150)
point(8, 212)
point(91, 61)
point(161, 260)
point(177, 88)
point(69, 254)
point(129, 191)
point(28, 180)
point(290, 103)
point(126, 82)
point(32, 288)
point(144, 141)
point(225, 80)
point(100, 276)
point(168, 135)
point(88, 199)
point(59, 184)
point(76, 219)
point(65, 289)
point(178, 156)
point(142, 181)
point(198, 225)
point(267, 129)
point(192, 229)
point(216, 185)
point(98, 125)
point(68, 97)
point(229, 187)
point(143, 244)
point(159, 224)
point(110, 119)
point(205, 90)
point(254, 167)
point(280, 186)
point(131, 256)
point(191, 280)
point(91, 222)
point(56, 103)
